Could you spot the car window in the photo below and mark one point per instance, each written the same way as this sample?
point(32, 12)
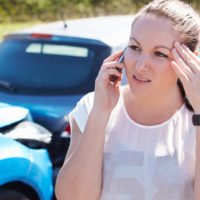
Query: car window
point(55, 49)
point(50, 67)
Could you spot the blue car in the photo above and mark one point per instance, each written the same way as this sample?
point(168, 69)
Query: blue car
point(48, 68)
point(25, 165)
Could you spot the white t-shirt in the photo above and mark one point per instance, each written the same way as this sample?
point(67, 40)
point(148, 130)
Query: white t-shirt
point(145, 162)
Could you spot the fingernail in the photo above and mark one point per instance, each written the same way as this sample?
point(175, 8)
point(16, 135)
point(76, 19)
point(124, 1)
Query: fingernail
point(173, 64)
point(184, 46)
point(177, 43)
point(173, 50)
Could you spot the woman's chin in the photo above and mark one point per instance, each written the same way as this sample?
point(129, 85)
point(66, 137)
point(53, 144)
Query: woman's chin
point(140, 92)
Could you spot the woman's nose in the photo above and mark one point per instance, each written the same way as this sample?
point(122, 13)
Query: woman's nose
point(142, 64)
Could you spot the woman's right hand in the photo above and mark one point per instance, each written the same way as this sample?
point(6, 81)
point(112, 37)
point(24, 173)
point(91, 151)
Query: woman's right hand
point(107, 92)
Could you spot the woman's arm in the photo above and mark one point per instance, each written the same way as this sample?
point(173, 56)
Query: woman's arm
point(197, 168)
point(81, 175)
point(186, 64)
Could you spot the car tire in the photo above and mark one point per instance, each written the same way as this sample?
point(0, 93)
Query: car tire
point(8, 194)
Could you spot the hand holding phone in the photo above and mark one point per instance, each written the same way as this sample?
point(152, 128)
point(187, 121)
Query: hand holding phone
point(113, 78)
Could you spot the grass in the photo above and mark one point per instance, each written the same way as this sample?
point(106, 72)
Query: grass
point(6, 28)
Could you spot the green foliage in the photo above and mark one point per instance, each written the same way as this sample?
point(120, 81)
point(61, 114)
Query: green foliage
point(47, 10)
point(6, 28)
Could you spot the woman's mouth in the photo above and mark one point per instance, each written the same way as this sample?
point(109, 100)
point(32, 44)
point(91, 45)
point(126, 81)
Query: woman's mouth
point(141, 79)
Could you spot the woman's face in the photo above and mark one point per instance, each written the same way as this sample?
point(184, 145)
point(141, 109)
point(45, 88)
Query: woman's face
point(148, 57)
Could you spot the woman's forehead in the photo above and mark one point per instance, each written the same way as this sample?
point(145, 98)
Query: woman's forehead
point(155, 30)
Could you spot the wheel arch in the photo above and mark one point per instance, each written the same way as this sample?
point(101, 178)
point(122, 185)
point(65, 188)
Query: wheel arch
point(23, 188)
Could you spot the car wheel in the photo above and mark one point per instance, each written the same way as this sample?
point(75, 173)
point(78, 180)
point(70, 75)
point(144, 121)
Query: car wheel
point(8, 194)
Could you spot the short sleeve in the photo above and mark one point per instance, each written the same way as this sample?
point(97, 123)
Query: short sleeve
point(82, 110)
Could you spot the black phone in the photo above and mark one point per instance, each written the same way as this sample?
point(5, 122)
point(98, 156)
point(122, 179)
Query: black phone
point(113, 78)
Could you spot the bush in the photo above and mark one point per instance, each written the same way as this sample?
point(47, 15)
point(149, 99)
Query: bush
point(48, 10)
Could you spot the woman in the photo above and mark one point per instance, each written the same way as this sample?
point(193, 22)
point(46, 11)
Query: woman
point(138, 141)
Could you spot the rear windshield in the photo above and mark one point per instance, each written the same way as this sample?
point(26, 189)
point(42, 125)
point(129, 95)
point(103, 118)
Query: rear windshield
point(49, 67)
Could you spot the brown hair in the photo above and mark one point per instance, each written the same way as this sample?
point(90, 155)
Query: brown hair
point(183, 19)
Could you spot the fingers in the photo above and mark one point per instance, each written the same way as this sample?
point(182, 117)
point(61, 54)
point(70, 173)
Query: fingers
point(113, 57)
point(113, 64)
point(187, 67)
point(181, 65)
point(179, 72)
point(191, 54)
point(189, 58)
point(187, 64)
point(111, 74)
point(111, 70)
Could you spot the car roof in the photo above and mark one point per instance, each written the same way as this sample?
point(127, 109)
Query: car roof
point(112, 30)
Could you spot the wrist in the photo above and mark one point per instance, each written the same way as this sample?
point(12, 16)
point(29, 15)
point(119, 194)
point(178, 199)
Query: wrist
point(100, 115)
point(196, 110)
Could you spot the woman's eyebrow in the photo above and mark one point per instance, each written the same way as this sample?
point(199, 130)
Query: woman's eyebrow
point(132, 38)
point(156, 47)
point(161, 46)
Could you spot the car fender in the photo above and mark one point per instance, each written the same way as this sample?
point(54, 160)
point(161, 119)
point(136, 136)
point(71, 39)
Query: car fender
point(30, 166)
point(12, 114)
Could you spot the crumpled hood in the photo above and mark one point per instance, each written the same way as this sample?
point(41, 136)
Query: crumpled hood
point(11, 114)
point(48, 111)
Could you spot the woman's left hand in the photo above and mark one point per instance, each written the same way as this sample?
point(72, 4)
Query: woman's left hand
point(186, 64)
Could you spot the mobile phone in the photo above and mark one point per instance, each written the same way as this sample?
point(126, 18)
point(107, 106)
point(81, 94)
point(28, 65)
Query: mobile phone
point(121, 58)
point(113, 78)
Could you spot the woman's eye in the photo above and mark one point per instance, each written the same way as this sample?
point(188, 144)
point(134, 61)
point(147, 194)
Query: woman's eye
point(134, 47)
point(159, 54)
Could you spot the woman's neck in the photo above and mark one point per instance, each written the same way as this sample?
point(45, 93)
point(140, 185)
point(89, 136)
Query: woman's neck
point(154, 110)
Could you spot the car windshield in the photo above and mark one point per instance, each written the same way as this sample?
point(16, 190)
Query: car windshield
point(50, 67)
